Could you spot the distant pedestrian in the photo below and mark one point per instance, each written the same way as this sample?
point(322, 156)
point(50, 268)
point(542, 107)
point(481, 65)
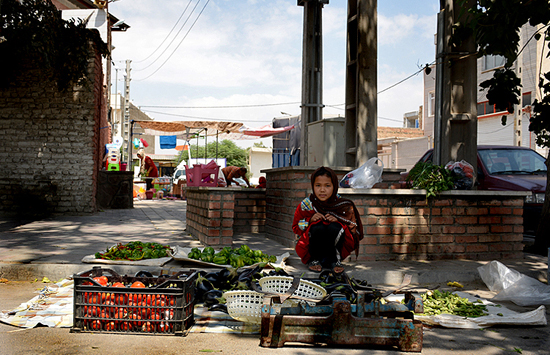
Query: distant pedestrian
point(262, 183)
point(148, 167)
point(233, 172)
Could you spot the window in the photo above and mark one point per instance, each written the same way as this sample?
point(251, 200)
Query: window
point(431, 104)
point(493, 61)
point(526, 99)
point(483, 108)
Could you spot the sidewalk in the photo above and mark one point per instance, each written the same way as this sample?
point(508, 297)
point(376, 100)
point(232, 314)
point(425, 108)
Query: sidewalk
point(54, 248)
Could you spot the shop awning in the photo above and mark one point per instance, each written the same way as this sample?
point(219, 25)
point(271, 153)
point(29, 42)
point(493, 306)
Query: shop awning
point(225, 130)
point(265, 131)
point(183, 129)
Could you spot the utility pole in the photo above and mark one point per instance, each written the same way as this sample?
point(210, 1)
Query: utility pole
point(126, 124)
point(312, 70)
point(455, 125)
point(361, 82)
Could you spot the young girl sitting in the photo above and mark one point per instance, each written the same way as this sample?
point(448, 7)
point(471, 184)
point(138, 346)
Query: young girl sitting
point(329, 226)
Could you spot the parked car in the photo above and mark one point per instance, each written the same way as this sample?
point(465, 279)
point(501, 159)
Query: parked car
point(510, 168)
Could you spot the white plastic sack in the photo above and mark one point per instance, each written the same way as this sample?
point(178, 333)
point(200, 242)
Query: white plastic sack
point(365, 176)
point(514, 286)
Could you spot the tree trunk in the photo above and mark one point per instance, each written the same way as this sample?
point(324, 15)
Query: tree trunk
point(542, 237)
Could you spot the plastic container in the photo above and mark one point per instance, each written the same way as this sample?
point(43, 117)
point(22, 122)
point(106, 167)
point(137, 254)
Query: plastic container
point(165, 306)
point(246, 306)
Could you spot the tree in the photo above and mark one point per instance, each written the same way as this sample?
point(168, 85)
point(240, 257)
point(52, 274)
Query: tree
point(225, 149)
point(259, 145)
point(35, 36)
point(496, 25)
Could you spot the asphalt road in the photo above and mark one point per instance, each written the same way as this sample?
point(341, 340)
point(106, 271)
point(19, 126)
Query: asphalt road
point(437, 340)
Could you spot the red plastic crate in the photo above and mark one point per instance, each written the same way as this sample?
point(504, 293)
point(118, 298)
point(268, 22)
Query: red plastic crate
point(164, 307)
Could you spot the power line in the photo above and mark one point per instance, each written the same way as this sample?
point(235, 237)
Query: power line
point(200, 118)
point(401, 81)
point(184, 37)
point(390, 119)
point(168, 35)
point(231, 106)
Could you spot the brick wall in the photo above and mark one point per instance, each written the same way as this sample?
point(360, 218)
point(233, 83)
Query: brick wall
point(50, 145)
point(215, 214)
point(250, 211)
point(210, 214)
point(401, 225)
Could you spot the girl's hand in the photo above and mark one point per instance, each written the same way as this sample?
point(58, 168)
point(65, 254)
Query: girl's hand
point(317, 216)
point(330, 218)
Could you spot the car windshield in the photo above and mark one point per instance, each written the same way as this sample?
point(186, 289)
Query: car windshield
point(510, 160)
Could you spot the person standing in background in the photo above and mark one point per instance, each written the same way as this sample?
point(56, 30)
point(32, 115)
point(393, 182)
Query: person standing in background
point(148, 168)
point(232, 172)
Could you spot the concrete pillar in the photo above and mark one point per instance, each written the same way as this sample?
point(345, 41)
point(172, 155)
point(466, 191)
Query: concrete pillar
point(455, 125)
point(361, 82)
point(312, 69)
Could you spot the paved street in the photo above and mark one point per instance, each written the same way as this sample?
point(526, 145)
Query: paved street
point(55, 247)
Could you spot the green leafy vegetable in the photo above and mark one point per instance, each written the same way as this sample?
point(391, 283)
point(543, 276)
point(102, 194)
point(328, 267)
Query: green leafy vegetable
point(430, 177)
point(134, 251)
point(438, 302)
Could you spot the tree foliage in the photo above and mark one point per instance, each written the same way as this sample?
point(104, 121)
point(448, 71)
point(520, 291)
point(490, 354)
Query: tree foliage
point(234, 154)
point(496, 29)
point(496, 25)
point(35, 34)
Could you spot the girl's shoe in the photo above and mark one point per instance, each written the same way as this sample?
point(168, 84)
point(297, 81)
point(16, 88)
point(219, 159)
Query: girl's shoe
point(314, 266)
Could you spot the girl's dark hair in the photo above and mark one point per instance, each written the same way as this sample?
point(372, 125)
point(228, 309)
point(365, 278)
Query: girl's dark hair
point(322, 171)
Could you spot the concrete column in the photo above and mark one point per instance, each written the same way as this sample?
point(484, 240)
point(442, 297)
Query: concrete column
point(312, 69)
point(361, 82)
point(455, 125)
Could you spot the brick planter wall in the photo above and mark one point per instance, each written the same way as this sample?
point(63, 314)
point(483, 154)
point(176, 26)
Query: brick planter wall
point(214, 214)
point(401, 225)
point(210, 213)
point(250, 211)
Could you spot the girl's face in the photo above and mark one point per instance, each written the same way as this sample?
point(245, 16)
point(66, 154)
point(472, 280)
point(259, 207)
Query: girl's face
point(322, 187)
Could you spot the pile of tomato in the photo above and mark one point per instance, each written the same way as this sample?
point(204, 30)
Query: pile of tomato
point(120, 311)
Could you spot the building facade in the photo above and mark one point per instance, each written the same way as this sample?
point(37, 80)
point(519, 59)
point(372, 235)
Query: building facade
point(491, 130)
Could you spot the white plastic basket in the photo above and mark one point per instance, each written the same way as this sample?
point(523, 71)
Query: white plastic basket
point(246, 306)
point(280, 284)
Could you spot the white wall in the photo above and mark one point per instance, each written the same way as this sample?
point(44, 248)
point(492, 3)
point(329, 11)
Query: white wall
point(259, 159)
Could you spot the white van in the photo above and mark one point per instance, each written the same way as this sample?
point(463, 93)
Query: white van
point(179, 173)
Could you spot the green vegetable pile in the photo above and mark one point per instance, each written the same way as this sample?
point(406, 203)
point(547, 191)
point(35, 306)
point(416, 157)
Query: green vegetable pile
point(430, 177)
point(134, 251)
point(237, 257)
point(438, 302)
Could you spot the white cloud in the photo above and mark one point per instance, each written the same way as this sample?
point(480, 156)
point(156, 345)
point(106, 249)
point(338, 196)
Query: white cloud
point(250, 52)
point(395, 29)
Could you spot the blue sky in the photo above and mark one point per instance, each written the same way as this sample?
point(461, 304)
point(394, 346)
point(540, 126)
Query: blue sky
point(249, 52)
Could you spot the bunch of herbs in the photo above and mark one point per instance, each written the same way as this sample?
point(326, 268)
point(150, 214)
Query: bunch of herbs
point(430, 177)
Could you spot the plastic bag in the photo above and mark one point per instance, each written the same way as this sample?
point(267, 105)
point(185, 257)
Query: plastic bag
point(463, 172)
point(514, 286)
point(365, 176)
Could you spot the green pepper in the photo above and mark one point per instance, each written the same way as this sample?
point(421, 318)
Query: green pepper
point(209, 251)
point(220, 260)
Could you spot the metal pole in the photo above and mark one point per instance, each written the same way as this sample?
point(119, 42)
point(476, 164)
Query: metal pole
point(127, 111)
point(439, 69)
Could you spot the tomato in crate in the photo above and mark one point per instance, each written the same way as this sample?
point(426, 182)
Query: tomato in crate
point(133, 304)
